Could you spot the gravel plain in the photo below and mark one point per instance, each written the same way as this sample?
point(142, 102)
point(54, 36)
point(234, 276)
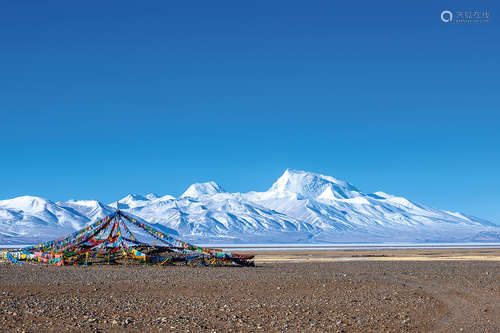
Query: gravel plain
point(381, 296)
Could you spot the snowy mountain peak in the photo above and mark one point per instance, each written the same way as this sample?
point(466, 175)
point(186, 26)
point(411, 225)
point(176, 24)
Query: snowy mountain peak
point(26, 202)
point(313, 185)
point(92, 209)
point(152, 196)
point(133, 197)
point(381, 194)
point(165, 198)
point(138, 200)
point(88, 203)
point(202, 189)
point(134, 200)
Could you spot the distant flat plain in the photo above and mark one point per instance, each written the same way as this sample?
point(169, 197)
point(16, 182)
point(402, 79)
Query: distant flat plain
point(432, 254)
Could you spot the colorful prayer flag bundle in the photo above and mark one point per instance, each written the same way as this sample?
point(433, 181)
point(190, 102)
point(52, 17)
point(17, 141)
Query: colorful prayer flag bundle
point(111, 241)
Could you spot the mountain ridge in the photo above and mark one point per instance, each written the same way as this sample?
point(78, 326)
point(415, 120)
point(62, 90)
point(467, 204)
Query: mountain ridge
point(299, 207)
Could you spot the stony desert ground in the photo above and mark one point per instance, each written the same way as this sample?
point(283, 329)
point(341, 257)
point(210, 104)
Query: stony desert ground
point(296, 291)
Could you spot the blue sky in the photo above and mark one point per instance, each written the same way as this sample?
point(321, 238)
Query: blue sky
point(101, 100)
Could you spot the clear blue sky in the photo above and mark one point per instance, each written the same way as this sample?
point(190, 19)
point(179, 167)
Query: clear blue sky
point(100, 99)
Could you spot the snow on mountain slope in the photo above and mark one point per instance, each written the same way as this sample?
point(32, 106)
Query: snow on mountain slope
point(28, 218)
point(199, 190)
point(340, 210)
point(306, 185)
point(206, 211)
point(132, 201)
point(299, 207)
point(91, 209)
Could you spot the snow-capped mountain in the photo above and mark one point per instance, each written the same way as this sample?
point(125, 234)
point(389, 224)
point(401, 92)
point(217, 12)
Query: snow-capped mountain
point(342, 212)
point(91, 209)
point(29, 219)
point(200, 190)
point(135, 200)
point(299, 207)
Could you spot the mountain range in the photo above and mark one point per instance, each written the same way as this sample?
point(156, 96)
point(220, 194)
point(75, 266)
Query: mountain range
point(300, 207)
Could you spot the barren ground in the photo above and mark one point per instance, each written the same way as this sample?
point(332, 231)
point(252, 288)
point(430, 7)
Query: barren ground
point(278, 295)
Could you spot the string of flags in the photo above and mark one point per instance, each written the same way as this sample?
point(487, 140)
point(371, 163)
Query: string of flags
point(110, 240)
